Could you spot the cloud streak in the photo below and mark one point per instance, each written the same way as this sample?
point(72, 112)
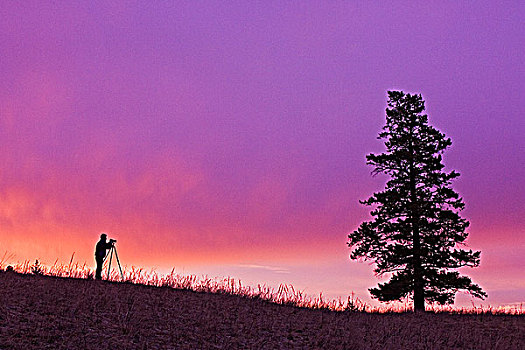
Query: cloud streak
point(274, 269)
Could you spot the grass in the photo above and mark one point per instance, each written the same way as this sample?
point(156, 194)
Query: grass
point(285, 294)
point(44, 312)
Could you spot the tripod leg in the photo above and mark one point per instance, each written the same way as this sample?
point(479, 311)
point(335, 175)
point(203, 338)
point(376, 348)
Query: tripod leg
point(120, 268)
point(109, 266)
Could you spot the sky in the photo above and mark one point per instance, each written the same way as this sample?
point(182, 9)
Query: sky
point(230, 139)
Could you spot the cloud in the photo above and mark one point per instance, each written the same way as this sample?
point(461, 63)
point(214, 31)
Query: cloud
point(275, 269)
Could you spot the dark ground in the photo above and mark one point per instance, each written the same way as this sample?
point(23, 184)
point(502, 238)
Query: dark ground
point(38, 312)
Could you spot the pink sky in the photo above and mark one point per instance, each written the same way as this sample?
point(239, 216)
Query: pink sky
point(231, 139)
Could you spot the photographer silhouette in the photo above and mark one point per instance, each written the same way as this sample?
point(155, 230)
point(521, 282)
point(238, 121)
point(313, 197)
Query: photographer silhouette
point(100, 253)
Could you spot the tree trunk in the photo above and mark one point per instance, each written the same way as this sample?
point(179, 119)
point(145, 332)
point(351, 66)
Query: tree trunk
point(419, 295)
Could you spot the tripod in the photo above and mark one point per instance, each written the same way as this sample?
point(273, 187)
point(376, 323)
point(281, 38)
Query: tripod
point(114, 249)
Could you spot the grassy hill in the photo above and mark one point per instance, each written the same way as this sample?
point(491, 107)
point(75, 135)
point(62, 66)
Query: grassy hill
point(43, 312)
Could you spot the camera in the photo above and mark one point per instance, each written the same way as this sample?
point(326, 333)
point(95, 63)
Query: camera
point(111, 241)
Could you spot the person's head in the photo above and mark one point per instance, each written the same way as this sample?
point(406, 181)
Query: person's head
point(103, 237)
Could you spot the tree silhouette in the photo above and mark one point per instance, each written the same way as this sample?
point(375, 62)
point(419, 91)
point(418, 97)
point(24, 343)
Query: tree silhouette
point(416, 231)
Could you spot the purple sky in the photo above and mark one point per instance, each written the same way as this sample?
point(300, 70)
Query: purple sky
point(231, 139)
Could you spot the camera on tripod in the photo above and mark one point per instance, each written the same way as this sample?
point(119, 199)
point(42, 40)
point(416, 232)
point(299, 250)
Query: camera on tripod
point(113, 249)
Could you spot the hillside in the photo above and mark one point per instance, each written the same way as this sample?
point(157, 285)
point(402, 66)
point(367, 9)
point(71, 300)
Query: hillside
point(38, 312)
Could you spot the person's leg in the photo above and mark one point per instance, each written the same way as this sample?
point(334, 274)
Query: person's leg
point(98, 274)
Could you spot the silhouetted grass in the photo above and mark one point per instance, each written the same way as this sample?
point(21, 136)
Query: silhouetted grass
point(44, 312)
point(285, 294)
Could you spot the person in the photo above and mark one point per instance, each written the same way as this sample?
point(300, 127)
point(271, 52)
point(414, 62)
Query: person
point(100, 254)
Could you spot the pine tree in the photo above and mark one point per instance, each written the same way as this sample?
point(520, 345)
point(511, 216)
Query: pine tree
point(416, 232)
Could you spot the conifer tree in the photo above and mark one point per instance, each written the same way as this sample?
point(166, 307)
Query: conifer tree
point(416, 233)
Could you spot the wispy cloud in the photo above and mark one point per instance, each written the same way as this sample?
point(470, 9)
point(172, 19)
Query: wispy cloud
point(275, 269)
